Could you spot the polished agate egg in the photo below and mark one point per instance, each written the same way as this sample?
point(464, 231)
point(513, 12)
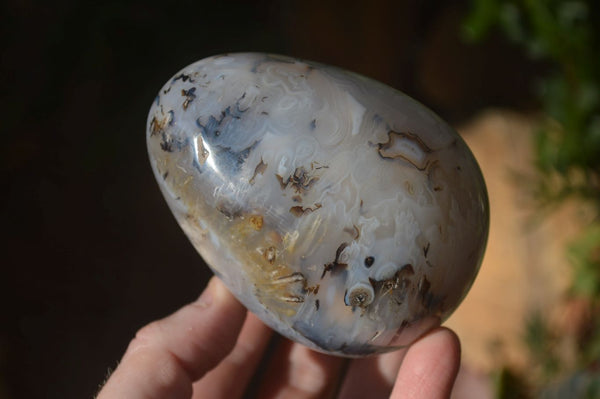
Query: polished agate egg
point(344, 214)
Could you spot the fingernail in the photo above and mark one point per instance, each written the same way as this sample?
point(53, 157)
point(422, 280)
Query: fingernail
point(207, 296)
point(219, 289)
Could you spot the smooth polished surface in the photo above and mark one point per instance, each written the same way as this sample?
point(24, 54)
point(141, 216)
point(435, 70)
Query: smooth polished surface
point(346, 215)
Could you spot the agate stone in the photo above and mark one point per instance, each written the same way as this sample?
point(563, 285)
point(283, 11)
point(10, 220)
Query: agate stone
point(346, 215)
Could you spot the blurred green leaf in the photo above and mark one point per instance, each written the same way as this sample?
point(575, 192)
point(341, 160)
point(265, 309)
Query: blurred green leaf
point(482, 17)
point(584, 254)
point(541, 342)
point(509, 385)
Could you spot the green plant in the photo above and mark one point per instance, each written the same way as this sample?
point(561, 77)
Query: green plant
point(565, 35)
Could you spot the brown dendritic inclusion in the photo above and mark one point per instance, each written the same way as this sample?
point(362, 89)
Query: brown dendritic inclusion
point(346, 215)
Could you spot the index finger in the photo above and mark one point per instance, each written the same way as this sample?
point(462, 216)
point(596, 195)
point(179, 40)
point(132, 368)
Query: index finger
point(168, 355)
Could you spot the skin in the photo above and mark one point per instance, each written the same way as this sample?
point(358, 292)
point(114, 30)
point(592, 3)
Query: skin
point(213, 348)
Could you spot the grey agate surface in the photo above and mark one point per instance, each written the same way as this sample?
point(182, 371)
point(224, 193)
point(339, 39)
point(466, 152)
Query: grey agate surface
point(346, 215)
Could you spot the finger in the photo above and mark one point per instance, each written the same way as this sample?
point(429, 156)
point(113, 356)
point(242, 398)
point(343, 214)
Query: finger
point(241, 363)
point(300, 373)
point(166, 356)
point(372, 377)
point(429, 367)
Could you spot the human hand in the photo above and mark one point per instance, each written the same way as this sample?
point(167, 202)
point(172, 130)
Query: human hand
point(212, 348)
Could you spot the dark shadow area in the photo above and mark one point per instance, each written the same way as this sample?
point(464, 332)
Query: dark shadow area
point(90, 251)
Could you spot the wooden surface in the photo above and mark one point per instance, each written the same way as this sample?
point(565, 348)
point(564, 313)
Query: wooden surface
point(525, 266)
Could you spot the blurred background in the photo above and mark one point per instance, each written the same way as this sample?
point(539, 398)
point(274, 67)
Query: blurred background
point(90, 251)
